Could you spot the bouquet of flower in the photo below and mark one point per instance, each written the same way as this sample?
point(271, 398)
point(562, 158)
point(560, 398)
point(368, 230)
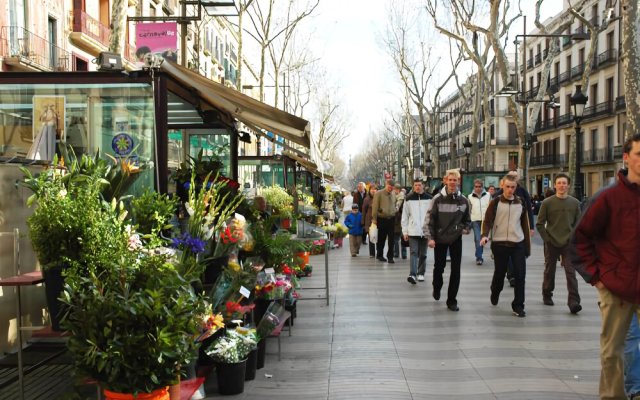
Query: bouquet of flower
point(341, 231)
point(234, 234)
point(209, 324)
point(234, 311)
point(247, 339)
point(271, 319)
point(273, 286)
point(227, 349)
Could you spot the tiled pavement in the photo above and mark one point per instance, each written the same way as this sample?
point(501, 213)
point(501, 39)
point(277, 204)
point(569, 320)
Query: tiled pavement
point(383, 338)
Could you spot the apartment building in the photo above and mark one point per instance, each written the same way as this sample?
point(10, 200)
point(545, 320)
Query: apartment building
point(603, 125)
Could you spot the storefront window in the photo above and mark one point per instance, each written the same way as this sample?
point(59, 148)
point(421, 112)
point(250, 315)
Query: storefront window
point(214, 143)
point(117, 119)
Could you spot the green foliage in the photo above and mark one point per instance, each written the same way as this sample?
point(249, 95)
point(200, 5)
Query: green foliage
point(70, 221)
point(277, 249)
point(199, 166)
point(152, 212)
point(278, 198)
point(131, 320)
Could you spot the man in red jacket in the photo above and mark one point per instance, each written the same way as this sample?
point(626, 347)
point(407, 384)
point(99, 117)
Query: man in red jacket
point(607, 246)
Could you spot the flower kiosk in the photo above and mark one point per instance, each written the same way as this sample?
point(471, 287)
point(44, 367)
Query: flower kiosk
point(97, 150)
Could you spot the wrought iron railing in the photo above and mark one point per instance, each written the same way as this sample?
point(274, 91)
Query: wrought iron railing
point(32, 49)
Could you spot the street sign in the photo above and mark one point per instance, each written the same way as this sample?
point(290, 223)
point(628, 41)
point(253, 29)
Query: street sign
point(545, 182)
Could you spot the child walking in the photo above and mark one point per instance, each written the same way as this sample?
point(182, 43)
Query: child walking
point(353, 221)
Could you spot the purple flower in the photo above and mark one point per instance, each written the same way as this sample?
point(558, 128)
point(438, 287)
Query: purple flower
point(186, 185)
point(195, 245)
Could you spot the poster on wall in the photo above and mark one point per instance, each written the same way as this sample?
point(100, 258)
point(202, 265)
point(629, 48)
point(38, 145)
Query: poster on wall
point(48, 126)
point(159, 38)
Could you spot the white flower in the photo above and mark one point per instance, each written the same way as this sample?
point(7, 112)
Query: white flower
point(189, 208)
point(62, 193)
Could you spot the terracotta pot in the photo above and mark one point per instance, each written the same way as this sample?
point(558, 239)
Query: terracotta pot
point(304, 256)
point(158, 394)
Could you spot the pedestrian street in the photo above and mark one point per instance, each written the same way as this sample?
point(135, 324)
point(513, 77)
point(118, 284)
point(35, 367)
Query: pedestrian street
point(383, 338)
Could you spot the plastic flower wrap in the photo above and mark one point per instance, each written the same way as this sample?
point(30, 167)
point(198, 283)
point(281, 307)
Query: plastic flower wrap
point(255, 264)
point(271, 319)
point(233, 311)
point(247, 338)
point(226, 349)
point(231, 236)
point(272, 286)
point(209, 324)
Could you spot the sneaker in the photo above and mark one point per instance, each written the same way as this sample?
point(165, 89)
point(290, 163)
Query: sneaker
point(382, 259)
point(512, 282)
point(575, 308)
point(411, 279)
point(391, 261)
point(547, 301)
point(495, 296)
point(420, 278)
point(519, 313)
point(436, 294)
point(479, 261)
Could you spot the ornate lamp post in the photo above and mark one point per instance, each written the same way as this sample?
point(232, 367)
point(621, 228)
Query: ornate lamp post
point(578, 101)
point(467, 150)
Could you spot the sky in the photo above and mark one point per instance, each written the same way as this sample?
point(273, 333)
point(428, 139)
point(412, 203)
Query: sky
point(346, 38)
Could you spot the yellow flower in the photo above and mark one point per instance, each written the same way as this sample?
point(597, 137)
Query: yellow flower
point(234, 266)
point(218, 321)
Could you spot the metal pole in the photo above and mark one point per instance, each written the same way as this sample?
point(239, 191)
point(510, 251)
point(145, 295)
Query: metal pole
point(525, 173)
point(183, 35)
point(579, 182)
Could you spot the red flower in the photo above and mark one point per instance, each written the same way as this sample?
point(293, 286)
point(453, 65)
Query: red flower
point(286, 270)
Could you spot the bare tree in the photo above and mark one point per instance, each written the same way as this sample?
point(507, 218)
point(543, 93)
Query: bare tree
point(332, 128)
point(631, 63)
point(268, 27)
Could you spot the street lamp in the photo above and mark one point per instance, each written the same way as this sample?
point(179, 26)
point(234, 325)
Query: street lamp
point(428, 163)
point(578, 101)
point(467, 150)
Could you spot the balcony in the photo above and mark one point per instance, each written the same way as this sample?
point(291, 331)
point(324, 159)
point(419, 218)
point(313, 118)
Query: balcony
point(565, 119)
point(88, 33)
point(538, 59)
point(564, 77)
point(553, 85)
point(607, 57)
point(577, 71)
point(599, 109)
point(566, 42)
point(529, 63)
point(601, 155)
point(545, 160)
point(506, 142)
point(26, 51)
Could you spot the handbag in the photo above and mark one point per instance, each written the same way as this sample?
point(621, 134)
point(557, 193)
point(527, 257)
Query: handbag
point(373, 234)
point(404, 243)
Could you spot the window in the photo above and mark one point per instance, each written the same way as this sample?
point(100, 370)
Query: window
point(116, 118)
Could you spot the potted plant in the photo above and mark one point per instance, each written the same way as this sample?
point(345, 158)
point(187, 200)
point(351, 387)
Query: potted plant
point(230, 354)
point(281, 202)
point(132, 319)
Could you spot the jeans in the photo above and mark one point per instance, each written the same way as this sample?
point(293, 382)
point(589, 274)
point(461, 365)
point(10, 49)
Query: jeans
point(477, 226)
point(398, 249)
point(551, 254)
point(418, 255)
point(632, 358)
point(385, 234)
point(502, 255)
point(440, 256)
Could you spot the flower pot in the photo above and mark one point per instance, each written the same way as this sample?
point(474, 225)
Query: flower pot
point(262, 352)
point(304, 257)
point(231, 377)
point(53, 285)
point(286, 223)
point(214, 268)
point(252, 365)
point(158, 394)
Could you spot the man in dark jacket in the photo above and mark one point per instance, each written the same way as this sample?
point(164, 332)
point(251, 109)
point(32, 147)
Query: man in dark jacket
point(358, 198)
point(607, 246)
point(446, 222)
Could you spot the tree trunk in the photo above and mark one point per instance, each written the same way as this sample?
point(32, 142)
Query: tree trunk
point(118, 12)
point(631, 63)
